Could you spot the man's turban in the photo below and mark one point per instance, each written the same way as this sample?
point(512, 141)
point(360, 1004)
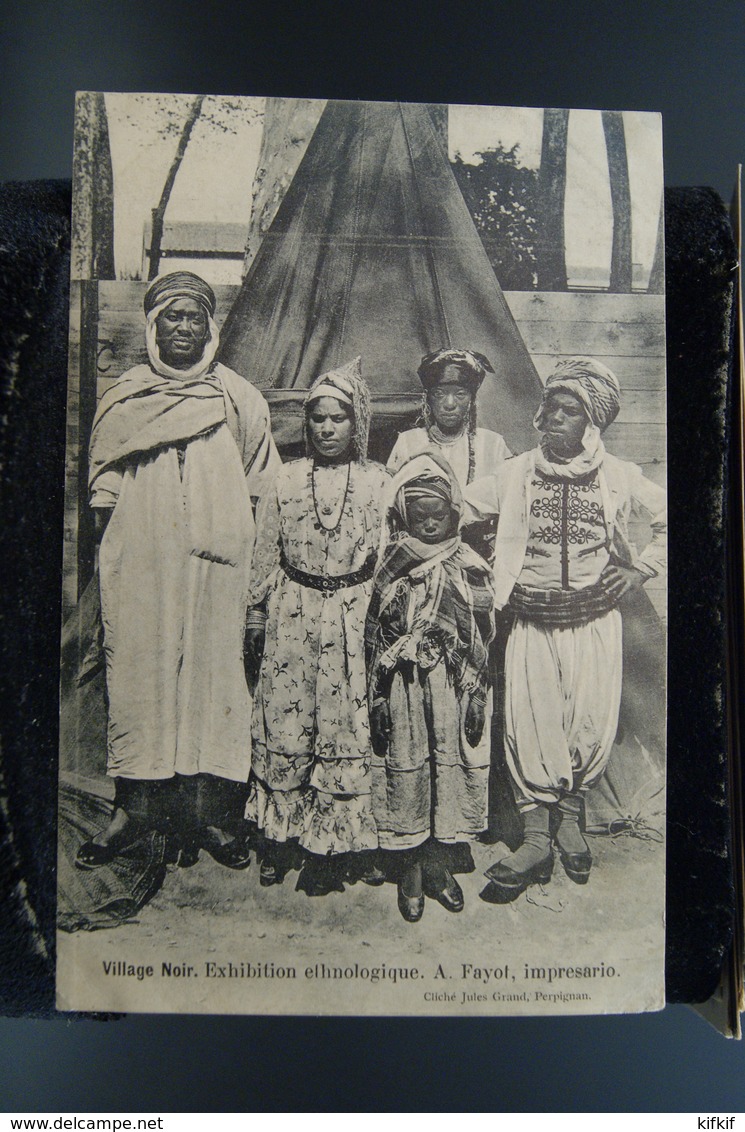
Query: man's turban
point(473, 367)
point(592, 383)
point(179, 285)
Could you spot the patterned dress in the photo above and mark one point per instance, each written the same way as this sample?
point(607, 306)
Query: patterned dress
point(311, 737)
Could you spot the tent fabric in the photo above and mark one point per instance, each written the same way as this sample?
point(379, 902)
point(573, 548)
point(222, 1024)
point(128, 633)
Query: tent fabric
point(373, 252)
point(632, 789)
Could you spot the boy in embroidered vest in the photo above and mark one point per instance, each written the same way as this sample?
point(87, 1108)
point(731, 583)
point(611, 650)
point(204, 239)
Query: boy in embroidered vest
point(428, 631)
point(563, 562)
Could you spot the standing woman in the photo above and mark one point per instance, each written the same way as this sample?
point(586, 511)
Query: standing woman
point(313, 568)
point(451, 380)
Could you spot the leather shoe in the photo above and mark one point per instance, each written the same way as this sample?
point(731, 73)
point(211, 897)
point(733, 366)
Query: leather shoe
point(576, 865)
point(320, 877)
point(234, 854)
point(90, 855)
point(410, 907)
point(269, 874)
point(448, 893)
point(512, 883)
point(364, 868)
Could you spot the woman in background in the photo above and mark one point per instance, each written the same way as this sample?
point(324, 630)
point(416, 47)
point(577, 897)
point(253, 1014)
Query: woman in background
point(451, 380)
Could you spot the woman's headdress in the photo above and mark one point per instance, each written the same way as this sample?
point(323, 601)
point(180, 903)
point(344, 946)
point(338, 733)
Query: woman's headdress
point(426, 476)
point(179, 285)
point(347, 385)
point(473, 367)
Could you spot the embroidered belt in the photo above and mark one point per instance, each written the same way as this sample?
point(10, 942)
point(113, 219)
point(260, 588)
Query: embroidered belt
point(561, 608)
point(326, 583)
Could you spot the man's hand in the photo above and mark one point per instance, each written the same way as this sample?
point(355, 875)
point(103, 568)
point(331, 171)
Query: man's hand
point(380, 726)
point(473, 724)
point(620, 580)
point(253, 651)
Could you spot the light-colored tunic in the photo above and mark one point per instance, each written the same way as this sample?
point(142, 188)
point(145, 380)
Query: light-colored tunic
point(490, 450)
point(311, 734)
point(174, 572)
point(563, 685)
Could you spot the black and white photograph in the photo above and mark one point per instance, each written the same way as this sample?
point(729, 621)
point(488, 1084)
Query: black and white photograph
point(363, 694)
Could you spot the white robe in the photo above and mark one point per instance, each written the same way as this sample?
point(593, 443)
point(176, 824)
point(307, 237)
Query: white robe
point(174, 567)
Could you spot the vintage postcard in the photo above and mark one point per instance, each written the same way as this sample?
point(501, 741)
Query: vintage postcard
point(363, 661)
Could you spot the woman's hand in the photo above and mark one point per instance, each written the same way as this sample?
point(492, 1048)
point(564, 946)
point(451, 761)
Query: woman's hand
point(253, 651)
point(473, 724)
point(380, 726)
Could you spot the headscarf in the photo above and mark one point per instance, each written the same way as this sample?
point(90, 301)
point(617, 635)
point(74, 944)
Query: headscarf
point(161, 293)
point(346, 385)
point(598, 391)
point(453, 618)
point(427, 475)
point(473, 368)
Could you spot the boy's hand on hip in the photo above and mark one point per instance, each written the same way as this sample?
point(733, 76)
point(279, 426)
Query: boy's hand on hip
point(620, 580)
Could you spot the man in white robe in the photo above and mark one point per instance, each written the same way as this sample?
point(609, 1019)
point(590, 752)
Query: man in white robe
point(180, 451)
point(563, 560)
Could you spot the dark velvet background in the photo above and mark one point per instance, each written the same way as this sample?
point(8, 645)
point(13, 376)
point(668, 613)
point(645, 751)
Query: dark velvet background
point(680, 58)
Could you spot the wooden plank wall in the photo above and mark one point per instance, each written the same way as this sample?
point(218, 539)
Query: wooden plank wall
point(626, 332)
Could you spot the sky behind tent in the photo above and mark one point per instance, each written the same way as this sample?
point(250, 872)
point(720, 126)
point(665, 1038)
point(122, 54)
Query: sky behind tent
point(215, 180)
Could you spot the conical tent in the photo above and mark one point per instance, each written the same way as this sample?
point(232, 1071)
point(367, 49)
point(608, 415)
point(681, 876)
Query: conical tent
point(373, 252)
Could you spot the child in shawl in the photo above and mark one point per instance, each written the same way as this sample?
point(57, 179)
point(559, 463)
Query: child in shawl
point(428, 631)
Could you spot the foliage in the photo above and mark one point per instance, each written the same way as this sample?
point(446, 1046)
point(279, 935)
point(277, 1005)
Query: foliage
point(169, 111)
point(501, 196)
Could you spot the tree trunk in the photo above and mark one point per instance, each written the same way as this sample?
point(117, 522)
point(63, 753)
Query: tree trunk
point(289, 124)
point(657, 274)
point(93, 188)
point(620, 194)
point(552, 175)
point(156, 235)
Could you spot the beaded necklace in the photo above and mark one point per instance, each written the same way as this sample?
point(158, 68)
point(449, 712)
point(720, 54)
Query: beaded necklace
point(437, 437)
point(328, 509)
